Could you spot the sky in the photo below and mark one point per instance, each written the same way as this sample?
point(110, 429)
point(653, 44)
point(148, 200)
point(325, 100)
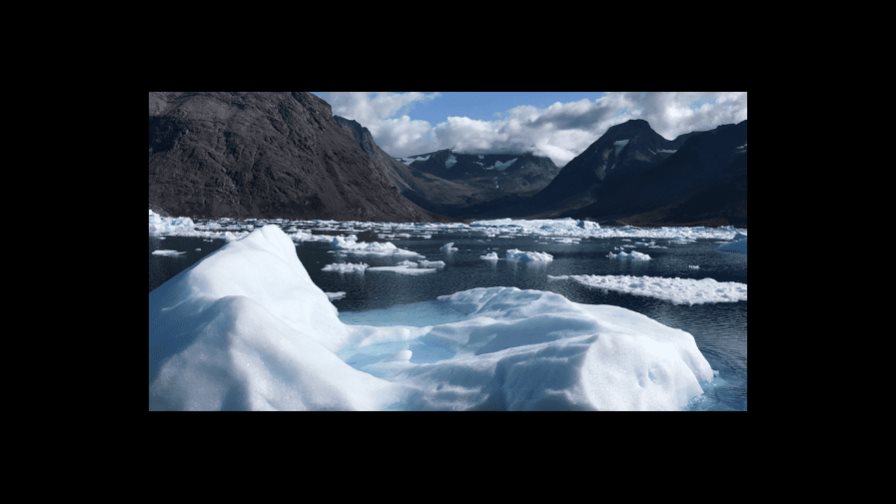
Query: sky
point(559, 125)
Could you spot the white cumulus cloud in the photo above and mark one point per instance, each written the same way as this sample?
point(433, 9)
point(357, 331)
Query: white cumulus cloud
point(560, 131)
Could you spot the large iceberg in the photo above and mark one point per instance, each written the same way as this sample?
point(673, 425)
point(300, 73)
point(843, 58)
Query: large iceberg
point(247, 329)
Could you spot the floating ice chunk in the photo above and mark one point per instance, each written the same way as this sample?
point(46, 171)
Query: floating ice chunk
point(346, 267)
point(431, 264)
point(333, 296)
point(491, 256)
point(629, 256)
point(681, 241)
point(198, 250)
point(528, 257)
point(169, 225)
point(404, 269)
point(448, 248)
point(167, 253)
point(570, 241)
point(350, 245)
point(738, 246)
point(693, 266)
point(677, 290)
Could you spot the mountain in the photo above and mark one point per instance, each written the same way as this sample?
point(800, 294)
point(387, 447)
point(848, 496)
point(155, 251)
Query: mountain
point(703, 182)
point(625, 151)
point(633, 175)
point(450, 183)
point(267, 155)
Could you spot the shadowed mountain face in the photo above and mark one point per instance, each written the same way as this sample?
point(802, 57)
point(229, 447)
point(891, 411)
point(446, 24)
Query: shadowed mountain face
point(632, 175)
point(703, 182)
point(266, 155)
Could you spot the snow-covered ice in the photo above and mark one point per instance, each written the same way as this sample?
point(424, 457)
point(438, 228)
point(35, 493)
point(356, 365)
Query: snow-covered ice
point(247, 329)
point(528, 257)
point(167, 253)
point(346, 267)
point(680, 291)
point(629, 256)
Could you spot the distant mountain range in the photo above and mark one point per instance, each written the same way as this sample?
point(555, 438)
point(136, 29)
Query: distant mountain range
point(287, 155)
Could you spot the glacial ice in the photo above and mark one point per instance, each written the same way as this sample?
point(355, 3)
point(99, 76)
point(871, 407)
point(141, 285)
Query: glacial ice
point(307, 230)
point(679, 291)
point(528, 257)
point(448, 248)
point(491, 256)
point(246, 329)
point(629, 256)
point(407, 268)
point(343, 268)
point(168, 253)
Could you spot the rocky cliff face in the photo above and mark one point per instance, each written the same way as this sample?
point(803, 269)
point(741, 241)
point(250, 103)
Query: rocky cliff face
point(266, 155)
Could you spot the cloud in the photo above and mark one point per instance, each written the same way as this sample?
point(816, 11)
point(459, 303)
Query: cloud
point(560, 131)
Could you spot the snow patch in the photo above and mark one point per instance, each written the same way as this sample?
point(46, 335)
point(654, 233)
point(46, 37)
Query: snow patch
point(451, 161)
point(618, 145)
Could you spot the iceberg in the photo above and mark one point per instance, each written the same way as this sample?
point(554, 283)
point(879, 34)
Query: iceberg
point(448, 248)
point(679, 291)
point(528, 257)
point(350, 245)
point(246, 329)
point(167, 253)
point(629, 256)
point(343, 268)
point(406, 268)
point(491, 256)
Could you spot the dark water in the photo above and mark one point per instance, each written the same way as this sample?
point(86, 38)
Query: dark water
point(720, 329)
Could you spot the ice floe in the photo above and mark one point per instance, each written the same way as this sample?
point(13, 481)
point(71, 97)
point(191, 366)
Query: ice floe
point(346, 267)
point(335, 296)
point(680, 291)
point(528, 257)
point(167, 253)
point(406, 268)
point(629, 256)
point(350, 245)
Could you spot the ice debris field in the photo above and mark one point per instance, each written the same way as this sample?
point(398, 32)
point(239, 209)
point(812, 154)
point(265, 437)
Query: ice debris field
point(245, 328)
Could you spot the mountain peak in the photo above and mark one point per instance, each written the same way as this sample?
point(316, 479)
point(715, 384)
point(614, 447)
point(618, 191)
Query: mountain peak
point(630, 127)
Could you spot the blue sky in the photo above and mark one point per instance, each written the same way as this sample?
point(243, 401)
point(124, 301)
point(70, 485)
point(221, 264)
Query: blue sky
point(559, 125)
